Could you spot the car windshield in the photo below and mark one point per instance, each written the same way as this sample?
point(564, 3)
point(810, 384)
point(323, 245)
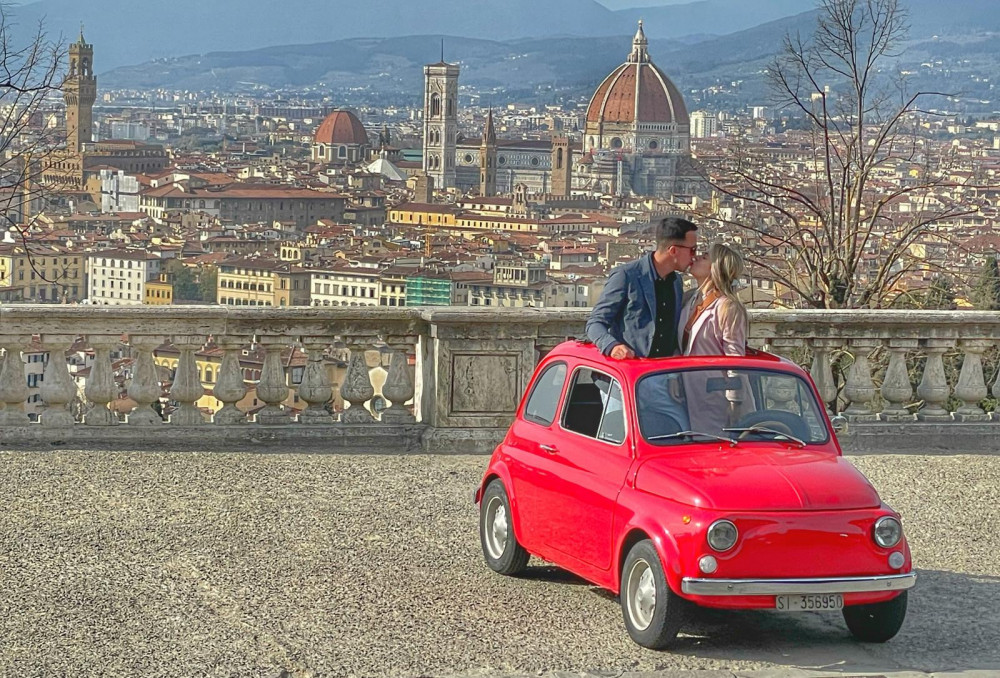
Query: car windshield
point(734, 404)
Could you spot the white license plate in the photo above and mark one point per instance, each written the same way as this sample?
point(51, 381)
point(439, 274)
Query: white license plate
point(809, 603)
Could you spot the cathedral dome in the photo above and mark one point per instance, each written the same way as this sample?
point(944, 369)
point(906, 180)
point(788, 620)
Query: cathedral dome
point(637, 92)
point(341, 127)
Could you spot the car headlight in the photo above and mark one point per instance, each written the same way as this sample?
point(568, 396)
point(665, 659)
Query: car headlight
point(887, 532)
point(722, 535)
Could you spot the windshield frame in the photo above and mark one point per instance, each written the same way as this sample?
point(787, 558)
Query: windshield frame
point(804, 388)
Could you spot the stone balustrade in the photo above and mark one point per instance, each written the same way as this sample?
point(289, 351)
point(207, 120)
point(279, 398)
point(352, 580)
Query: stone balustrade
point(906, 380)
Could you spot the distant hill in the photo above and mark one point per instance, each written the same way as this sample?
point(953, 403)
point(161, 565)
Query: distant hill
point(518, 67)
point(127, 32)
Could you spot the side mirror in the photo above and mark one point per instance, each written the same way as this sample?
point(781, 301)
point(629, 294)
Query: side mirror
point(839, 424)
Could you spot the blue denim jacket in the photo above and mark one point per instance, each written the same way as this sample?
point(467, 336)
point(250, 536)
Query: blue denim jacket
point(625, 313)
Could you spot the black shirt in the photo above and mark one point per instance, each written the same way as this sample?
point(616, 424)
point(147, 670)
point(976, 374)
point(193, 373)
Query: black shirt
point(665, 340)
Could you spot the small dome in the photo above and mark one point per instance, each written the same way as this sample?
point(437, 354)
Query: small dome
point(341, 127)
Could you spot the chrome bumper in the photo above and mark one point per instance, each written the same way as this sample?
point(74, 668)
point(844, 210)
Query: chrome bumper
point(780, 587)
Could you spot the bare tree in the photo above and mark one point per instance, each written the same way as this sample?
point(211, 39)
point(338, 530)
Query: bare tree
point(848, 224)
point(29, 148)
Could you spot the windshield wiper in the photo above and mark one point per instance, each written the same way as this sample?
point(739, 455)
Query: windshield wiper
point(692, 434)
point(764, 429)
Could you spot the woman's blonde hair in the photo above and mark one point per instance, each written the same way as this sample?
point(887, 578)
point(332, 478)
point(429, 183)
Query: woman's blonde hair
point(727, 266)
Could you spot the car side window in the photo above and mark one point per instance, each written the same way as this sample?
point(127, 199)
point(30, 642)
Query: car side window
point(594, 407)
point(543, 403)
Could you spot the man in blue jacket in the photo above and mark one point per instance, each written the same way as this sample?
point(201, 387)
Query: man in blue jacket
point(639, 311)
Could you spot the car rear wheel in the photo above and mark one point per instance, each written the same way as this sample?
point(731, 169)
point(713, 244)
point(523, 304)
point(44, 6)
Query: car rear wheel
point(653, 613)
point(496, 532)
point(876, 622)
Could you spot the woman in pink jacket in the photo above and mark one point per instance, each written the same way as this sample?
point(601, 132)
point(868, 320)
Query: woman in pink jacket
point(715, 322)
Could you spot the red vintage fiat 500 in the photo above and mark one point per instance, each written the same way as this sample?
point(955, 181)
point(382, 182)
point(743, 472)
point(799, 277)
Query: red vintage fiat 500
point(710, 480)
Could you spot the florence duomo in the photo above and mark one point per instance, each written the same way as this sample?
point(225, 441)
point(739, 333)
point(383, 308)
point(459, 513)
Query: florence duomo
point(636, 139)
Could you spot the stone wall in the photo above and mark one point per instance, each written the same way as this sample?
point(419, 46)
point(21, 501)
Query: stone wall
point(908, 381)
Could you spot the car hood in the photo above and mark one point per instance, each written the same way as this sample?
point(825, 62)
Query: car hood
point(757, 478)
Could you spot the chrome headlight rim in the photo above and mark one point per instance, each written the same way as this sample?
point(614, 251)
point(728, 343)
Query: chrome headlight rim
point(713, 529)
point(899, 532)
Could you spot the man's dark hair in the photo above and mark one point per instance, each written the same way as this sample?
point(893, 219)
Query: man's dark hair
point(672, 231)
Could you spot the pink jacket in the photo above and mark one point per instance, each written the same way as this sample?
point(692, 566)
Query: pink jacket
point(709, 336)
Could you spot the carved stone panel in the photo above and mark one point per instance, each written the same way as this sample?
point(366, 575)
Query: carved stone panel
point(485, 383)
point(479, 383)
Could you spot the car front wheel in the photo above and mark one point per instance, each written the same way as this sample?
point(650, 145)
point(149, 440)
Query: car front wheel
point(496, 532)
point(653, 613)
point(876, 622)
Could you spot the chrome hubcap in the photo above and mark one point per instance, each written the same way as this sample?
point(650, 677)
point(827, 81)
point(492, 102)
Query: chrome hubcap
point(640, 595)
point(496, 528)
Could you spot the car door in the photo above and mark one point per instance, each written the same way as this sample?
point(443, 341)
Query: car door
point(588, 468)
point(528, 448)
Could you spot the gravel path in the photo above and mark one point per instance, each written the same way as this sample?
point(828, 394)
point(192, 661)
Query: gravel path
point(295, 565)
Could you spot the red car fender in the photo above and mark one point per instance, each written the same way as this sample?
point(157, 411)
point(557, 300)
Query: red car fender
point(498, 469)
point(642, 527)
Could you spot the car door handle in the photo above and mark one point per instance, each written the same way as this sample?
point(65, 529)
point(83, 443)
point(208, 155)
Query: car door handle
point(549, 448)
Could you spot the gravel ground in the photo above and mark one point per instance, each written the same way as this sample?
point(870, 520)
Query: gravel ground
point(296, 565)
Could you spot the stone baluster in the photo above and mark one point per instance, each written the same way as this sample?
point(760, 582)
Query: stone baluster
point(896, 388)
point(230, 387)
point(822, 370)
point(971, 386)
point(859, 389)
point(933, 388)
point(398, 387)
point(145, 387)
point(316, 388)
point(780, 393)
point(101, 389)
point(273, 385)
point(13, 382)
point(58, 389)
point(357, 388)
point(187, 388)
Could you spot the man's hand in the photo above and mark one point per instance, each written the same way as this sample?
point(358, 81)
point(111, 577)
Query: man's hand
point(621, 352)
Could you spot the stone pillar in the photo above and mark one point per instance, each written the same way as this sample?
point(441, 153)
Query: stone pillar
point(859, 388)
point(398, 388)
point(995, 415)
point(896, 388)
point(230, 387)
point(58, 389)
point(315, 388)
point(145, 387)
point(357, 388)
point(187, 388)
point(101, 388)
point(933, 388)
point(822, 371)
point(273, 387)
point(425, 402)
point(13, 383)
point(971, 386)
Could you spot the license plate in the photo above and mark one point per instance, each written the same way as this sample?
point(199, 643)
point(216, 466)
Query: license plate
point(809, 603)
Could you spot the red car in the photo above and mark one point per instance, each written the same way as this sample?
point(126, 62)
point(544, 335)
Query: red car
point(707, 480)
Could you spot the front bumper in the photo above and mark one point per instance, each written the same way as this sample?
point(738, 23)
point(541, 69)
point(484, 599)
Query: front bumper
point(780, 587)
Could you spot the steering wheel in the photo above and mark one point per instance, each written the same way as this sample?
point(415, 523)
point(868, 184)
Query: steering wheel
point(779, 420)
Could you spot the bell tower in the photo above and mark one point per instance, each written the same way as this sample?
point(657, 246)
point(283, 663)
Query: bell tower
point(440, 121)
point(80, 92)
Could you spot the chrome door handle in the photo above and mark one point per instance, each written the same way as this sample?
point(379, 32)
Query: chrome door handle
point(549, 448)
